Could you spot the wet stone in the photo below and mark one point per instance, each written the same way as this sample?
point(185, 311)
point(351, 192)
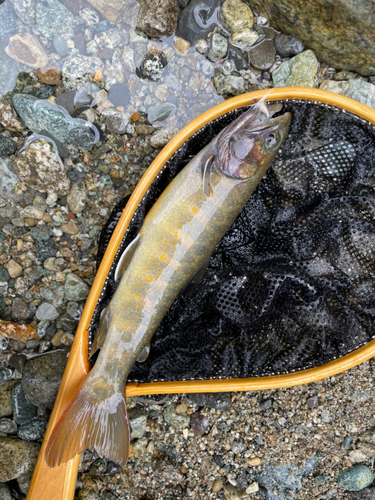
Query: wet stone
point(45, 92)
point(139, 447)
point(18, 362)
point(16, 457)
point(20, 310)
point(312, 402)
point(158, 17)
point(75, 288)
point(228, 85)
point(346, 442)
point(8, 21)
point(8, 116)
point(288, 46)
point(236, 15)
point(263, 55)
point(50, 75)
point(358, 90)
point(42, 377)
point(300, 71)
point(199, 423)
point(7, 146)
point(355, 478)
point(160, 138)
point(46, 312)
point(233, 493)
point(26, 49)
point(368, 436)
point(190, 25)
point(118, 95)
point(218, 47)
point(45, 249)
point(219, 400)
point(5, 375)
point(24, 411)
point(52, 19)
point(5, 492)
point(138, 422)
point(152, 66)
point(6, 405)
point(283, 478)
point(79, 69)
point(32, 431)
point(60, 46)
point(24, 481)
point(178, 420)
point(160, 112)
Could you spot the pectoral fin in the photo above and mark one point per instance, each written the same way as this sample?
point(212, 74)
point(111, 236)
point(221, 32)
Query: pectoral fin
point(144, 354)
point(206, 173)
point(101, 333)
point(196, 279)
point(126, 257)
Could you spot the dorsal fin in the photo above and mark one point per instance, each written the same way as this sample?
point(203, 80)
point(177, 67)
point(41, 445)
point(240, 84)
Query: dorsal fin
point(206, 174)
point(126, 258)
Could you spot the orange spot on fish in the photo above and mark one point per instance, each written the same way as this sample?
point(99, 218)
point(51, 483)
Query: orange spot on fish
point(198, 198)
point(136, 308)
point(137, 285)
point(180, 214)
point(179, 224)
point(138, 296)
point(176, 234)
point(128, 320)
point(163, 257)
point(146, 267)
point(195, 210)
point(160, 271)
point(152, 260)
point(148, 278)
point(137, 317)
point(173, 242)
point(165, 242)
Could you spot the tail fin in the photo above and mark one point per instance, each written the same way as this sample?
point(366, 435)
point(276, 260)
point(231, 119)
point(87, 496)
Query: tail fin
point(89, 422)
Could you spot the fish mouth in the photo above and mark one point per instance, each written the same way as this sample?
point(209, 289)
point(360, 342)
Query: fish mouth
point(272, 123)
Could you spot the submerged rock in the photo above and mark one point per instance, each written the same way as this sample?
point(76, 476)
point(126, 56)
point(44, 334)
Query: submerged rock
point(8, 22)
point(300, 71)
point(53, 18)
point(218, 47)
point(24, 411)
point(110, 8)
point(40, 168)
point(25, 10)
point(27, 50)
point(78, 69)
point(228, 85)
point(16, 457)
point(198, 20)
point(152, 66)
point(9, 118)
point(158, 17)
point(42, 376)
point(358, 90)
point(160, 112)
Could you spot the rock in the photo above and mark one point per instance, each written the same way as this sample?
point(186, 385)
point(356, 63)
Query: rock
point(25, 10)
point(8, 21)
point(46, 312)
point(40, 168)
point(70, 227)
point(158, 18)
point(236, 15)
point(14, 269)
point(60, 46)
point(218, 47)
point(285, 479)
point(78, 69)
point(49, 119)
point(23, 411)
point(45, 92)
point(345, 40)
point(228, 85)
point(118, 95)
point(45, 249)
point(8, 426)
point(27, 50)
point(18, 332)
point(182, 46)
point(110, 8)
point(138, 422)
point(160, 138)
point(217, 485)
point(77, 197)
point(32, 431)
point(20, 310)
point(109, 39)
point(5, 493)
point(50, 75)
point(127, 59)
point(89, 16)
point(199, 423)
point(300, 71)
point(53, 18)
point(244, 38)
point(75, 288)
point(74, 102)
point(160, 112)
point(288, 46)
point(73, 5)
point(233, 493)
point(8, 179)
point(8, 117)
point(16, 457)
point(355, 478)
point(368, 436)
point(262, 55)
point(152, 66)
point(6, 405)
point(42, 376)
point(366, 494)
point(139, 447)
point(5, 375)
point(179, 421)
point(197, 20)
point(4, 275)
point(219, 400)
point(24, 482)
point(161, 92)
point(358, 90)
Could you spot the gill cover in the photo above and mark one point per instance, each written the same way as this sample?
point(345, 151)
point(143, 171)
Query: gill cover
point(251, 142)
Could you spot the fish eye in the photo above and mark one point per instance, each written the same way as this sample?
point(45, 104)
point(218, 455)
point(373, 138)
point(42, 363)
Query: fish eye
point(272, 141)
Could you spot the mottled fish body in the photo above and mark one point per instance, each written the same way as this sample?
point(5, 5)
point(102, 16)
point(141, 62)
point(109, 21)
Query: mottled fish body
point(176, 240)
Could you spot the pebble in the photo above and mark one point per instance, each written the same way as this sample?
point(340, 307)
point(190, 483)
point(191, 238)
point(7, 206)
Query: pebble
point(152, 66)
point(42, 376)
point(20, 310)
point(368, 436)
point(8, 426)
point(6, 405)
point(25, 10)
point(158, 18)
point(60, 46)
point(50, 75)
point(355, 478)
point(178, 420)
point(23, 411)
point(7, 146)
point(8, 117)
point(160, 138)
point(46, 312)
point(236, 15)
point(138, 422)
point(17, 457)
point(109, 8)
point(228, 85)
point(199, 423)
point(79, 69)
point(14, 269)
point(24, 482)
point(262, 55)
point(32, 431)
point(53, 18)
point(160, 112)
point(27, 50)
point(217, 485)
point(40, 167)
point(89, 16)
point(244, 38)
point(8, 22)
point(288, 46)
point(139, 447)
point(181, 45)
point(218, 401)
point(5, 493)
point(70, 227)
point(218, 47)
point(300, 71)
point(75, 288)
point(233, 493)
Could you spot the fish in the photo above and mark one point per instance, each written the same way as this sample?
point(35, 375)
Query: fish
point(169, 255)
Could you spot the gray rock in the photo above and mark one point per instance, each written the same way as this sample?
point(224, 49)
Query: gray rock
point(25, 10)
point(60, 46)
point(77, 197)
point(5, 493)
point(158, 17)
point(368, 436)
point(358, 90)
point(75, 288)
point(24, 482)
point(42, 376)
point(23, 411)
point(199, 423)
point(8, 179)
point(89, 16)
point(218, 47)
point(138, 422)
point(45, 249)
point(282, 478)
point(366, 494)
point(16, 458)
point(234, 493)
point(20, 310)
point(46, 312)
point(78, 69)
point(5, 375)
point(52, 19)
point(7, 146)
point(6, 405)
point(139, 447)
point(160, 112)
point(160, 138)
point(355, 478)
point(189, 26)
point(300, 71)
point(8, 21)
point(228, 85)
point(178, 420)
point(8, 116)
point(32, 431)
point(219, 400)
point(8, 71)
point(8, 426)
point(262, 55)
point(288, 46)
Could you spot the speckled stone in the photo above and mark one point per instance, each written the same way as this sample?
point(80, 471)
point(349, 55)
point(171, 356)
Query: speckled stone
point(8, 426)
point(5, 493)
point(236, 15)
point(23, 411)
point(26, 49)
point(109, 8)
point(178, 420)
point(158, 17)
point(138, 422)
point(75, 288)
point(7, 146)
point(228, 85)
point(218, 47)
point(160, 138)
point(9, 118)
point(25, 10)
point(60, 46)
point(40, 168)
point(358, 90)
point(53, 18)
point(288, 46)
point(32, 431)
point(78, 69)
point(16, 457)
point(300, 71)
point(7, 19)
point(355, 478)
point(6, 406)
point(46, 312)
point(42, 376)
point(50, 75)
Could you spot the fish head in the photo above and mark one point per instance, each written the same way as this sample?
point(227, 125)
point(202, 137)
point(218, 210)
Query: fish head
point(249, 144)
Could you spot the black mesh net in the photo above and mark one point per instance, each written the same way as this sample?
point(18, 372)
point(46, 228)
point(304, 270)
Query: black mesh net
point(291, 285)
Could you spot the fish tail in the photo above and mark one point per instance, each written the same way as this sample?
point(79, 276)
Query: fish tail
point(92, 422)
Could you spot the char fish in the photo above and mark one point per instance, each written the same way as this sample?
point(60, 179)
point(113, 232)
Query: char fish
point(172, 249)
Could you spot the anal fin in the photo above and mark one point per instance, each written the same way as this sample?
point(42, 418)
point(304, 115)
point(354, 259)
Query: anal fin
point(196, 279)
point(126, 257)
